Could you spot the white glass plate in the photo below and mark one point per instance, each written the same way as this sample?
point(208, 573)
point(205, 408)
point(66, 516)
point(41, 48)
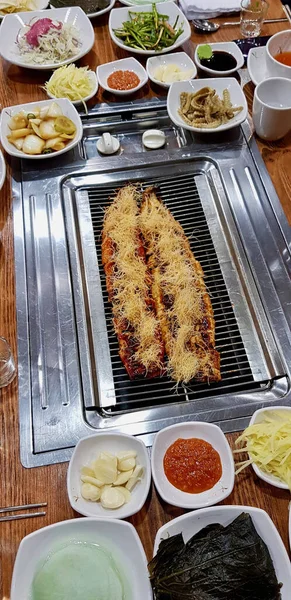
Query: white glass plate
point(181, 59)
point(229, 47)
point(257, 66)
point(13, 23)
point(193, 522)
point(94, 80)
point(119, 15)
point(124, 64)
point(237, 98)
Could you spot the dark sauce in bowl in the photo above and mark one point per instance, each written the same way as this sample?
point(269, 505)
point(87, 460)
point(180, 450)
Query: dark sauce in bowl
point(219, 61)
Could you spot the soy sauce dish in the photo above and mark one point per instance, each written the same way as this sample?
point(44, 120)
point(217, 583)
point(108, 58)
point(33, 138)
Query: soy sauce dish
point(220, 59)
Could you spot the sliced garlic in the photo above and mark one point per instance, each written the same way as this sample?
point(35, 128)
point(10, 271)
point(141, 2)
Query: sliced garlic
point(105, 470)
point(90, 492)
point(112, 498)
point(126, 454)
point(126, 464)
point(88, 471)
point(123, 477)
point(135, 477)
point(92, 480)
point(125, 492)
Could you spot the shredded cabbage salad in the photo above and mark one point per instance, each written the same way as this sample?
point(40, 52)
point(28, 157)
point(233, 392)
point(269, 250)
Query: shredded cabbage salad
point(74, 83)
point(57, 45)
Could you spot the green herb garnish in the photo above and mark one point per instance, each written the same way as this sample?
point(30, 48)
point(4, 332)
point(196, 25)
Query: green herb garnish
point(204, 51)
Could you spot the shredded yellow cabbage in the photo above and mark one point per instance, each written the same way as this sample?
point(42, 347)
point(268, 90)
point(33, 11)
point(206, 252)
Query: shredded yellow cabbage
point(269, 445)
point(74, 83)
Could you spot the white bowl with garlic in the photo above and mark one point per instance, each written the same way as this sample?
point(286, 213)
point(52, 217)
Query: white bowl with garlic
point(166, 69)
point(109, 475)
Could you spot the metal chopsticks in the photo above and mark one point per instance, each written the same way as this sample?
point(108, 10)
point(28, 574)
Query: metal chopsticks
point(24, 515)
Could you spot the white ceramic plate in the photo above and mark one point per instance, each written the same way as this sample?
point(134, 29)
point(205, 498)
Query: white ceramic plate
point(192, 429)
point(193, 522)
point(257, 66)
point(2, 170)
point(119, 15)
point(68, 111)
point(118, 537)
point(88, 450)
point(93, 15)
point(94, 80)
point(181, 59)
point(12, 24)
point(229, 47)
point(237, 98)
point(258, 417)
point(39, 5)
point(124, 64)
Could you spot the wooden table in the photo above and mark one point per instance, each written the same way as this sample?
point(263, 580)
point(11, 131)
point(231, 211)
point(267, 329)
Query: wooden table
point(48, 484)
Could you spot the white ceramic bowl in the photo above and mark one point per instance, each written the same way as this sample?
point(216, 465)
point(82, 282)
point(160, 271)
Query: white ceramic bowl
point(39, 5)
point(68, 111)
point(85, 452)
point(258, 417)
point(2, 170)
point(237, 98)
point(181, 59)
point(13, 23)
point(94, 80)
point(229, 47)
point(93, 15)
point(193, 522)
point(119, 15)
point(280, 42)
point(118, 537)
point(192, 429)
point(124, 64)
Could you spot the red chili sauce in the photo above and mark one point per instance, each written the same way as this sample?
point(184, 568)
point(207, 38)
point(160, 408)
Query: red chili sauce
point(192, 465)
point(123, 80)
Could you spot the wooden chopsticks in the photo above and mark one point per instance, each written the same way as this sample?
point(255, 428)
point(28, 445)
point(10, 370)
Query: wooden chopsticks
point(287, 11)
point(23, 515)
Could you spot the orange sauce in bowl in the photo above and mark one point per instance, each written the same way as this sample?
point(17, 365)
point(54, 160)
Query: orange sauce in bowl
point(192, 465)
point(284, 58)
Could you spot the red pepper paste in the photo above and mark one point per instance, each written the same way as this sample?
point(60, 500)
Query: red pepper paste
point(192, 465)
point(123, 80)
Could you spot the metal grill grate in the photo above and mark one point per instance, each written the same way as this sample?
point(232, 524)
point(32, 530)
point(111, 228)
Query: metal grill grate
point(181, 196)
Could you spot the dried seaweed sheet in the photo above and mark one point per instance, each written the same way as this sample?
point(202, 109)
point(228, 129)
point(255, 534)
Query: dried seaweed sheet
point(218, 563)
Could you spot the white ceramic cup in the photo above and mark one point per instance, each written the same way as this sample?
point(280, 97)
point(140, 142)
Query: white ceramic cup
point(272, 108)
point(280, 42)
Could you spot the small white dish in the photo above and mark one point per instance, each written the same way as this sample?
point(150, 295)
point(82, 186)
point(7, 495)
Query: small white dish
point(229, 47)
point(88, 450)
point(181, 59)
point(192, 429)
point(39, 5)
point(258, 417)
point(13, 23)
point(98, 13)
point(107, 144)
point(119, 15)
point(193, 522)
point(237, 98)
point(2, 170)
point(68, 111)
point(118, 537)
point(124, 64)
point(257, 66)
point(93, 78)
point(153, 139)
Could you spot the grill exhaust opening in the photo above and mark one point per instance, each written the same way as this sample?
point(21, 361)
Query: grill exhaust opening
point(240, 371)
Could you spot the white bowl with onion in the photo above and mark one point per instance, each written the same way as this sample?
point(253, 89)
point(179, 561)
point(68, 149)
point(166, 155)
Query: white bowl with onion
point(68, 110)
point(87, 456)
point(186, 68)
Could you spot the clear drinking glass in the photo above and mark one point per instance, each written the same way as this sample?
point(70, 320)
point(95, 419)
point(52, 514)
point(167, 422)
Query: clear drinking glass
point(253, 13)
point(7, 365)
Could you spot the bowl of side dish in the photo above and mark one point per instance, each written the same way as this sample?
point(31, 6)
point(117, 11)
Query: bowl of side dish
point(225, 58)
point(271, 421)
point(165, 39)
point(44, 143)
point(88, 7)
point(123, 72)
point(278, 54)
point(14, 7)
point(267, 555)
point(182, 92)
point(45, 41)
point(98, 461)
point(164, 70)
point(77, 84)
point(74, 558)
point(192, 441)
